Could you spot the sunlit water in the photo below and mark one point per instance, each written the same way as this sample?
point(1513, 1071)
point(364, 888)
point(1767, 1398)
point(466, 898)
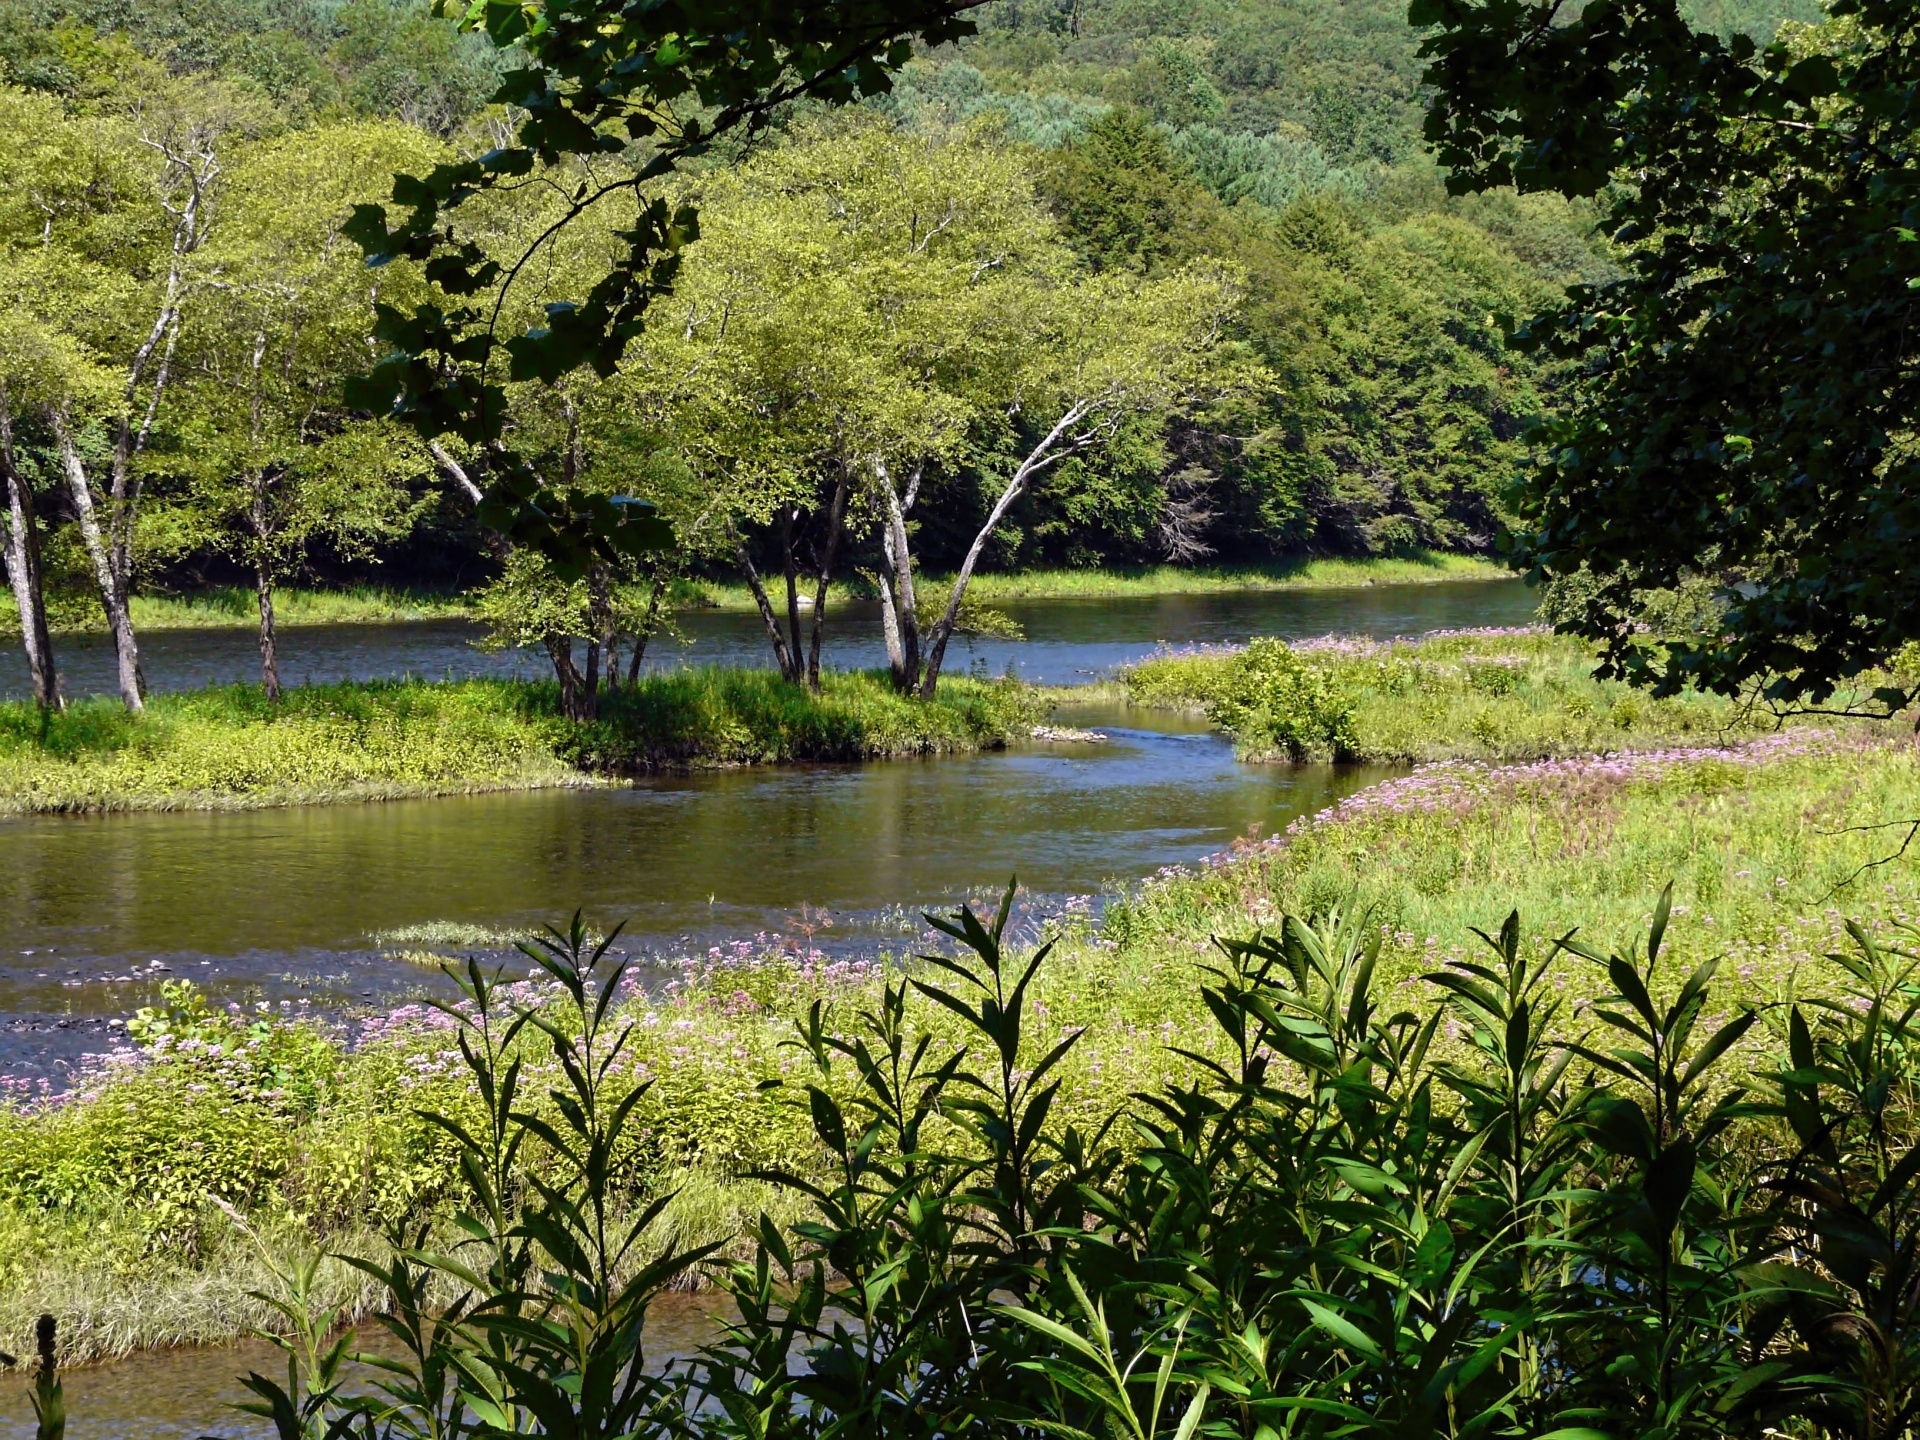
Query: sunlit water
point(1067, 641)
point(289, 905)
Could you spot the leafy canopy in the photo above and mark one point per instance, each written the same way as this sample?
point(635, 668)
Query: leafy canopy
point(614, 96)
point(1745, 400)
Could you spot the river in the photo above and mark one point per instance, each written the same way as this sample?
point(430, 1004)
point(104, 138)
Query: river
point(1066, 641)
point(298, 906)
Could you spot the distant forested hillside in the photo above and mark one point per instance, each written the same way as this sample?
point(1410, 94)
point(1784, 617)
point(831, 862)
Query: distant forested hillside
point(311, 59)
point(1278, 140)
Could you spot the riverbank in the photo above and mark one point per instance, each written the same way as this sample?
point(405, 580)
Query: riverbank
point(310, 1130)
point(229, 748)
point(235, 607)
point(1484, 694)
point(1306, 573)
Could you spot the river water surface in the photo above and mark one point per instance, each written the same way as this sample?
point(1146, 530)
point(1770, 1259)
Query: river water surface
point(299, 906)
point(1066, 641)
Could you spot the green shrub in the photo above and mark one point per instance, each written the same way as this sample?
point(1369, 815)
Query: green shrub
point(1272, 701)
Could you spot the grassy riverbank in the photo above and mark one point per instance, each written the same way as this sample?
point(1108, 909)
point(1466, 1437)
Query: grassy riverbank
point(1517, 694)
point(311, 1133)
point(1306, 573)
point(235, 607)
point(229, 748)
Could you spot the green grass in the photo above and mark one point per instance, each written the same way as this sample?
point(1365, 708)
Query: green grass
point(1484, 695)
point(236, 607)
point(1306, 573)
point(229, 748)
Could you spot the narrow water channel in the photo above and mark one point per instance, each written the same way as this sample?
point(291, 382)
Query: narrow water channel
point(292, 905)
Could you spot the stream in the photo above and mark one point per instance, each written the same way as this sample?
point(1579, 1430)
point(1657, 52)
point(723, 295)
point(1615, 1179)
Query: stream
point(1067, 642)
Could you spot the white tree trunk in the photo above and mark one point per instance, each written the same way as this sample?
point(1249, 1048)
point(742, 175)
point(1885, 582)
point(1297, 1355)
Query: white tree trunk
point(24, 571)
point(1059, 443)
point(113, 590)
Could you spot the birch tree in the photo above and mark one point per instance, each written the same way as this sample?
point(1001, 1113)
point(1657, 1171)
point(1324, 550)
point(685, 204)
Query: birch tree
point(104, 218)
point(1086, 354)
point(35, 364)
point(274, 462)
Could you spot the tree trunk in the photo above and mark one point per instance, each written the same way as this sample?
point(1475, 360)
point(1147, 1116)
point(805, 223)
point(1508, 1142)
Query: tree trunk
point(24, 570)
point(647, 627)
point(1057, 444)
point(269, 657)
point(834, 513)
point(781, 654)
point(560, 650)
point(590, 685)
point(258, 519)
point(903, 652)
point(890, 628)
point(599, 637)
point(787, 513)
point(113, 589)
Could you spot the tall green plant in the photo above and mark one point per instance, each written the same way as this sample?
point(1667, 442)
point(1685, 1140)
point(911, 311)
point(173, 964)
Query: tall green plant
point(1343, 1219)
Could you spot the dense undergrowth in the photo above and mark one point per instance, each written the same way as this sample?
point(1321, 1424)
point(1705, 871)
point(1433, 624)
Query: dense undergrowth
point(313, 1133)
point(1651, 1212)
point(1479, 694)
point(230, 747)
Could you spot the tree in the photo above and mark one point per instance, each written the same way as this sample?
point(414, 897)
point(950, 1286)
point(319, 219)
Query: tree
point(635, 90)
point(100, 230)
point(1088, 354)
point(273, 460)
point(33, 364)
point(832, 298)
point(1745, 401)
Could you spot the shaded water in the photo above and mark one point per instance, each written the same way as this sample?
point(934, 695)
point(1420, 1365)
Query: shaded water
point(1067, 641)
point(186, 1394)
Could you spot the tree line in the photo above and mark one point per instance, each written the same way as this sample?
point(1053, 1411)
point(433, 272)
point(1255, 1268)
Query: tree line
point(906, 337)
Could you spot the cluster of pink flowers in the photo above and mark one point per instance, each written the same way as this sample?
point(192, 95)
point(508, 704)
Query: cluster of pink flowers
point(1487, 632)
point(1355, 647)
point(1459, 786)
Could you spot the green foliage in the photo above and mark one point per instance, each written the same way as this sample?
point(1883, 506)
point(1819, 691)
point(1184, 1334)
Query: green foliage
point(1270, 700)
point(1501, 696)
point(232, 748)
point(1338, 1217)
point(368, 58)
point(1729, 417)
point(595, 84)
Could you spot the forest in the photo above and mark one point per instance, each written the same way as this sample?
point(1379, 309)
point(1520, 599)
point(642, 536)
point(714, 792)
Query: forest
point(1314, 363)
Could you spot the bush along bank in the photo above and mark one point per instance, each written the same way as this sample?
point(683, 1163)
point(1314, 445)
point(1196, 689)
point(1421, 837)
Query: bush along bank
point(313, 1133)
point(1479, 1214)
point(1481, 694)
point(232, 748)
